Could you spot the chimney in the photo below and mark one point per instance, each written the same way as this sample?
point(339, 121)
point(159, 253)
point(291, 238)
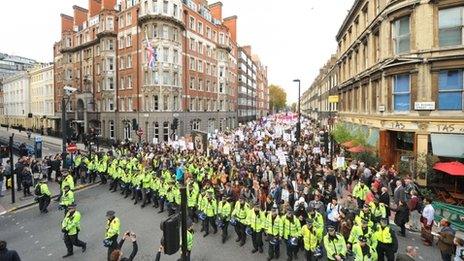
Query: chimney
point(66, 23)
point(80, 15)
point(247, 49)
point(94, 7)
point(216, 10)
point(108, 4)
point(231, 23)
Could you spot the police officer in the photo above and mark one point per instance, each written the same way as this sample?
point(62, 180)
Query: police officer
point(113, 226)
point(210, 209)
point(70, 226)
point(256, 219)
point(224, 212)
point(291, 228)
point(362, 230)
point(66, 181)
point(363, 251)
point(43, 195)
point(274, 231)
point(387, 242)
point(67, 198)
point(240, 212)
point(310, 239)
point(334, 245)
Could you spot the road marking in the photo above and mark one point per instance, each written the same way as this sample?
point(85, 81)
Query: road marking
point(36, 242)
point(42, 247)
point(26, 231)
point(21, 227)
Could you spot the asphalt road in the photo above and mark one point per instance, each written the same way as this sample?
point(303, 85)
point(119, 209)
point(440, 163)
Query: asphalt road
point(38, 236)
point(48, 148)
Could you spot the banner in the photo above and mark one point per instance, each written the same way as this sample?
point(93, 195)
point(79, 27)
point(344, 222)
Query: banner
point(200, 141)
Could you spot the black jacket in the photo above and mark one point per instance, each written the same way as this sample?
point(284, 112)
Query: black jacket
point(402, 215)
point(135, 249)
point(9, 255)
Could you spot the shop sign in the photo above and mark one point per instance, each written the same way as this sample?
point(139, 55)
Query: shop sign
point(333, 98)
point(424, 106)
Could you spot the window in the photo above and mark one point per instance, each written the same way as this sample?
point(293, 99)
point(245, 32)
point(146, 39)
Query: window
point(129, 40)
point(192, 44)
point(128, 19)
point(156, 130)
point(165, 32)
point(111, 83)
point(200, 47)
point(155, 77)
point(200, 65)
point(192, 83)
point(166, 131)
point(175, 34)
point(192, 23)
point(110, 45)
point(401, 35)
point(121, 63)
point(192, 63)
point(122, 83)
point(122, 42)
point(110, 64)
point(200, 28)
point(192, 101)
point(200, 84)
point(129, 61)
point(154, 5)
point(450, 90)
point(401, 93)
point(166, 102)
point(450, 26)
point(129, 82)
point(155, 31)
point(155, 102)
point(175, 57)
point(175, 79)
point(208, 32)
point(122, 105)
point(165, 7)
point(166, 78)
point(165, 54)
point(111, 123)
point(129, 104)
point(174, 10)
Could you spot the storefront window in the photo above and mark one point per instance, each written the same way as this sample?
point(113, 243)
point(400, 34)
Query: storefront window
point(405, 141)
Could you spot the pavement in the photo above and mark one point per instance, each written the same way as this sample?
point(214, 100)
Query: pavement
point(38, 236)
point(50, 145)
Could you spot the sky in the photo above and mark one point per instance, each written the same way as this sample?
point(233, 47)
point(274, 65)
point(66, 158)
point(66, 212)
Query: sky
point(294, 38)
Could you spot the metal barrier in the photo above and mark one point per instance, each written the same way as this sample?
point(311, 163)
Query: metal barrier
point(451, 212)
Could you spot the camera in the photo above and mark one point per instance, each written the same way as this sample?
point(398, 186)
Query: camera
point(69, 90)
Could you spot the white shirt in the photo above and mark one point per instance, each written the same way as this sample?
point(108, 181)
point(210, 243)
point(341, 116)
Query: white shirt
point(429, 214)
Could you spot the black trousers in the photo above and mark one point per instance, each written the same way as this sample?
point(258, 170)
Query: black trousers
point(146, 196)
point(72, 240)
point(225, 231)
point(274, 250)
point(114, 184)
point(113, 246)
point(44, 201)
point(207, 222)
point(103, 178)
point(292, 250)
point(309, 255)
point(240, 230)
point(385, 251)
point(155, 197)
point(257, 239)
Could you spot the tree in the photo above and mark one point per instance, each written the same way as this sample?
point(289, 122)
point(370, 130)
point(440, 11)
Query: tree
point(294, 108)
point(277, 98)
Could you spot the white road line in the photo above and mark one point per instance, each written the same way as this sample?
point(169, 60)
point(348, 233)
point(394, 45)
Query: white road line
point(42, 247)
point(36, 242)
point(21, 227)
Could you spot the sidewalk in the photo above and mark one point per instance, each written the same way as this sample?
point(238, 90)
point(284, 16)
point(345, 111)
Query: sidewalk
point(46, 139)
point(22, 202)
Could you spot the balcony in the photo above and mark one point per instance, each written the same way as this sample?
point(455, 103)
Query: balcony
point(151, 13)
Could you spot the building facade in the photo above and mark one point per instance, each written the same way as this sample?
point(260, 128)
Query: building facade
point(141, 64)
point(11, 64)
point(400, 76)
point(16, 100)
point(42, 97)
point(262, 88)
point(247, 91)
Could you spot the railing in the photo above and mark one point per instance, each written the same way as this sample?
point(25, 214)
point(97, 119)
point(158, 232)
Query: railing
point(451, 212)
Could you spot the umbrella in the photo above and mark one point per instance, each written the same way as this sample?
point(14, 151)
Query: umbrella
point(348, 144)
point(452, 168)
point(358, 149)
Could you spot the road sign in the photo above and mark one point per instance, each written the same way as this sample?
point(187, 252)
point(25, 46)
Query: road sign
point(71, 148)
point(140, 132)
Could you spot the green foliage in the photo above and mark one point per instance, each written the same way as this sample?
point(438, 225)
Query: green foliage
point(342, 133)
point(426, 193)
point(277, 97)
point(369, 158)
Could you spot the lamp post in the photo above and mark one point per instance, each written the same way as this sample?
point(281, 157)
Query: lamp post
point(67, 91)
point(298, 125)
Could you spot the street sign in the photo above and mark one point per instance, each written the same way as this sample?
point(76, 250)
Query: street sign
point(139, 132)
point(424, 106)
point(71, 148)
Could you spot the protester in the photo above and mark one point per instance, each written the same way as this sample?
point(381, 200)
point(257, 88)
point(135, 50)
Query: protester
point(6, 254)
point(410, 255)
point(446, 240)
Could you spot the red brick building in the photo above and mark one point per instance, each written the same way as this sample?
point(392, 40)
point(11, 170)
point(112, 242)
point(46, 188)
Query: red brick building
point(103, 53)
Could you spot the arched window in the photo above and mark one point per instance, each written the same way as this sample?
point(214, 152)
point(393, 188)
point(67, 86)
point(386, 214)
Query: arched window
point(111, 128)
point(156, 131)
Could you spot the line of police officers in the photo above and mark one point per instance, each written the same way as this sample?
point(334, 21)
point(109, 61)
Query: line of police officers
point(153, 181)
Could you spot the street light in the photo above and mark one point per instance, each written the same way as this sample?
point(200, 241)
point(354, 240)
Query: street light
point(298, 125)
point(67, 91)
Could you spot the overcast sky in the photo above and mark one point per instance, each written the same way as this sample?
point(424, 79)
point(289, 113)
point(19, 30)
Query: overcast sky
point(294, 38)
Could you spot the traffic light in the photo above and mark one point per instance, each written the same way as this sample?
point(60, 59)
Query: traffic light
point(171, 234)
point(175, 123)
point(135, 125)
